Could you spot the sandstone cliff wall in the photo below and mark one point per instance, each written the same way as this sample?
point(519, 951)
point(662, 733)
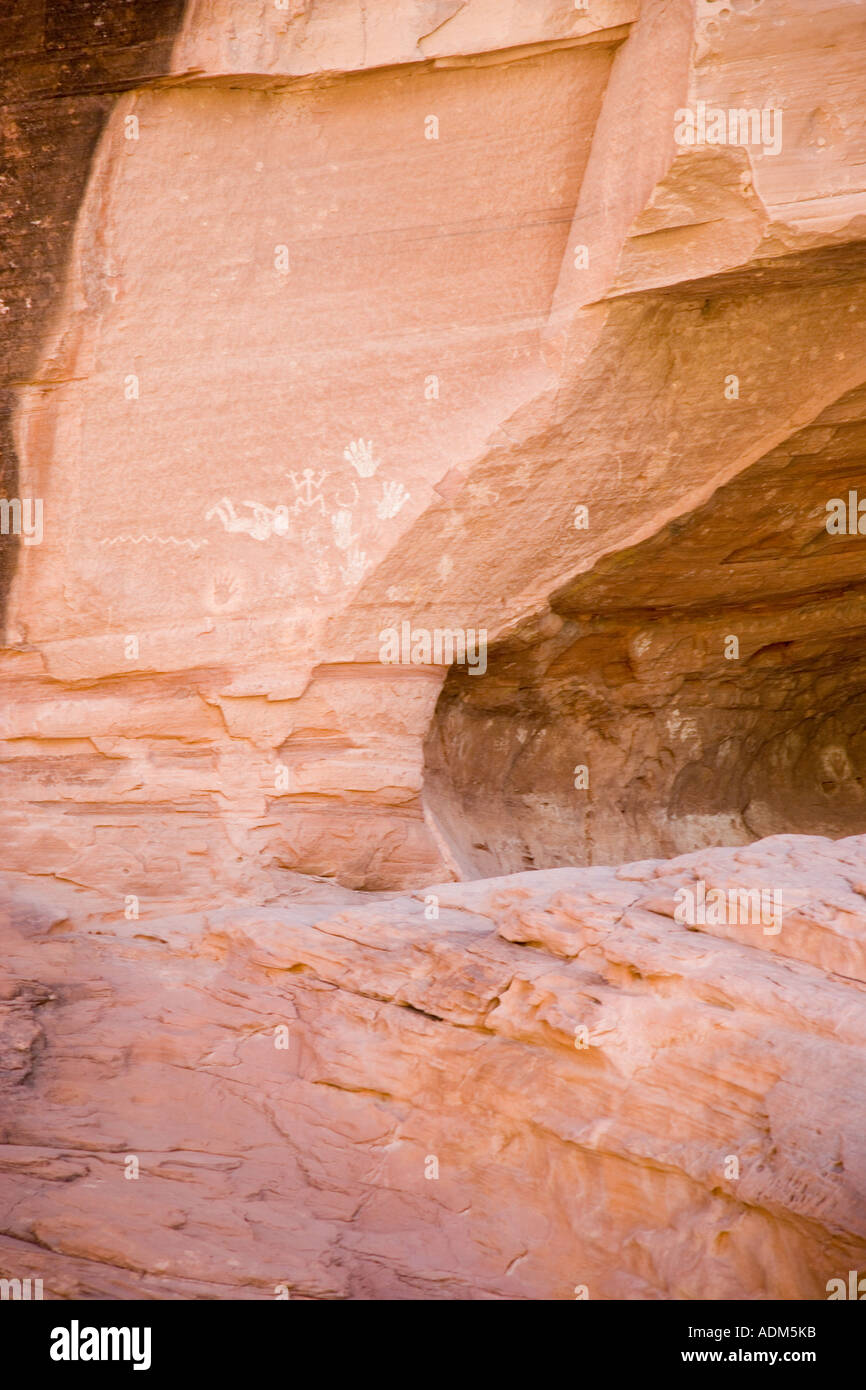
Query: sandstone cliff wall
point(325, 319)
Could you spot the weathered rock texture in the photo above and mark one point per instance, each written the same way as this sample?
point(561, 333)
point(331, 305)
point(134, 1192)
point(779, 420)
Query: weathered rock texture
point(322, 318)
point(629, 675)
point(61, 67)
point(452, 1040)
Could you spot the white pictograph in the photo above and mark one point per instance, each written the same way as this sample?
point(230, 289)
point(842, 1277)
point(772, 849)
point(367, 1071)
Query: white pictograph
point(341, 523)
point(263, 523)
point(320, 513)
point(151, 540)
point(355, 568)
point(349, 501)
point(394, 498)
point(308, 492)
point(359, 453)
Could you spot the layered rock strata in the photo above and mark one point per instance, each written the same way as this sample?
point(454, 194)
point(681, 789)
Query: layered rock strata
point(551, 1089)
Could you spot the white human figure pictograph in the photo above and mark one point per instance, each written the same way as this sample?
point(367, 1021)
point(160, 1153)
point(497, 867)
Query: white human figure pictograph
point(308, 492)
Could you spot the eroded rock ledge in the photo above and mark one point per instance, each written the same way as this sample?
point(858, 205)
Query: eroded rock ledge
point(412, 1039)
point(709, 680)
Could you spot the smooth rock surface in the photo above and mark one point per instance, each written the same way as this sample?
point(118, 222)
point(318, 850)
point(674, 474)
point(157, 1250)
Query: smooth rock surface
point(314, 373)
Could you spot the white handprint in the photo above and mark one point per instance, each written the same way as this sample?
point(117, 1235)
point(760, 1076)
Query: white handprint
point(360, 454)
point(355, 568)
point(394, 497)
point(341, 522)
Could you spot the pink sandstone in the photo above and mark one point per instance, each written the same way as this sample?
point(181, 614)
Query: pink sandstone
point(452, 1039)
point(322, 318)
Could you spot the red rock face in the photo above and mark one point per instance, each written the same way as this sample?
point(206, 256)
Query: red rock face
point(551, 1084)
point(709, 679)
point(440, 439)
